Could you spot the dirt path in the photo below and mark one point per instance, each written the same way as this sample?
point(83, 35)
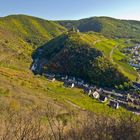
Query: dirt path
point(111, 53)
point(111, 58)
point(72, 104)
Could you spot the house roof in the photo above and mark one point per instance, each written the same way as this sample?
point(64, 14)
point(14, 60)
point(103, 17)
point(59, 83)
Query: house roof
point(136, 84)
point(102, 97)
point(68, 83)
point(95, 93)
point(113, 103)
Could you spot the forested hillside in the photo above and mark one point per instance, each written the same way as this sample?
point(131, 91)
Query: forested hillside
point(76, 54)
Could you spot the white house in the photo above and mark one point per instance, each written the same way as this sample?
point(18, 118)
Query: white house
point(95, 95)
point(87, 91)
point(102, 98)
point(69, 84)
point(33, 68)
point(114, 104)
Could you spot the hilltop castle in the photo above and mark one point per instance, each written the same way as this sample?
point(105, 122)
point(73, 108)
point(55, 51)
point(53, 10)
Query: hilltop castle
point(73, 29)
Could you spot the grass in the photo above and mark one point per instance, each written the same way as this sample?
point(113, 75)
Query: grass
point(35, 30)
point(78, 98)
point(30, 90)
point(107, 45)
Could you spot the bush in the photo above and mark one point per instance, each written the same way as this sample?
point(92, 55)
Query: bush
point(43, 124)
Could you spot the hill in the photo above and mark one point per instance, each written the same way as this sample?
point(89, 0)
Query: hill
point(33, 30)
point(31, 107)
point(109, 27)
point(76, 54)
point(20, 35)
point(20, 90)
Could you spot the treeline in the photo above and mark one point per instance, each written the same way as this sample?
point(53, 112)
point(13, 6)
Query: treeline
point(45, 124)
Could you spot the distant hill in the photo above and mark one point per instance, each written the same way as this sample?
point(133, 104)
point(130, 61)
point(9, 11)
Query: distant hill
point(109, 27)
point(74, 54)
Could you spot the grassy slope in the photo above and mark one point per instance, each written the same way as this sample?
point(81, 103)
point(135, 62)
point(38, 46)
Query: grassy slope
point(26, 90)
point(115, 45)
point(20, 35)
point(33, 29)
point(14, 51)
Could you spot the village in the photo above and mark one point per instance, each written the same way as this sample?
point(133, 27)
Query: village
point(134, 60)
point(114, 99)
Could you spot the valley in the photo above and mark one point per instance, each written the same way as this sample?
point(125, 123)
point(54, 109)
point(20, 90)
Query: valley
point(64, 71)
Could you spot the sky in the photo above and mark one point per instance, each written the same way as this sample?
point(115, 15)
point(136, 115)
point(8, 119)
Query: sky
point(72, 9)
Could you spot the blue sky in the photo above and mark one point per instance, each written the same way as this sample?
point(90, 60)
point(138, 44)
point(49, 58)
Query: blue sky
point(72, 9)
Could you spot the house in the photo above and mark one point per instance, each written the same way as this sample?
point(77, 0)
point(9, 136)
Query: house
point(130, 100)
point(95, 95)
point(71, 79)
point(102, 98)
point(136, 85)
point(135, 65)
point(34, 66)
point(100, 90)
point(114, 104)
point(85, 85)
point(93, 88)
point(69, 84)
point(136, 102)
point(87, 91)
point(80, 84)
point(50, 77)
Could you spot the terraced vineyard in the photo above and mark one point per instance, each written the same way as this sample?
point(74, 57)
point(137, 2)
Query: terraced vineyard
point(111, 49)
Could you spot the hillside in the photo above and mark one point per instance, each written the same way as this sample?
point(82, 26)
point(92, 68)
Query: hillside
point(32, 107)
point(109, 27)
point(76, 54)
point(21, 92)
point(20, 35)
point(19, 88)
point(33, 30)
